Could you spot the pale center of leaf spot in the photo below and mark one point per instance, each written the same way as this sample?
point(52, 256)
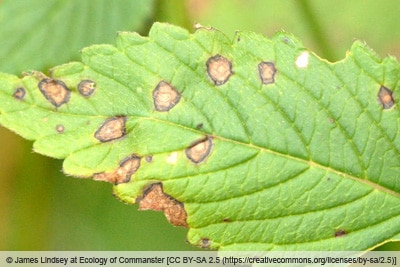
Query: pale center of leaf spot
point(111, 129)
point(165, 96)
point(219, 69)
point(302, 60)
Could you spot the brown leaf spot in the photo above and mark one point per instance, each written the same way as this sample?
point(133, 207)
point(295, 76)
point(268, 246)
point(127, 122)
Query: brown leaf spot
point(205, 243)
point(86, 87)
point(340, 232)
point(123, 173)
point(165, 96)
point(155, 199)
point(113, 128)
point(60, 128)
point(285, 40)
point(55, 91)
point(19, 93)
point(267, 72)
point(149, 158)
point(219, 69)
point(385, 97)
point(199, 150)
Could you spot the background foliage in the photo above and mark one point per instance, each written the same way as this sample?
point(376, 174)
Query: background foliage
point(45, 210)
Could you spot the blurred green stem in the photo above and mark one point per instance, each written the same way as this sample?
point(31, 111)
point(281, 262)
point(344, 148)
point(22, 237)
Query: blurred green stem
point(319, 35)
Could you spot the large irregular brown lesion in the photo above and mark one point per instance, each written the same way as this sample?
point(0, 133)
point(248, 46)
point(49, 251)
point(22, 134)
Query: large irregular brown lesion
point(55, 91)
point(111, 129)
point(123, 173)
point(155, 199)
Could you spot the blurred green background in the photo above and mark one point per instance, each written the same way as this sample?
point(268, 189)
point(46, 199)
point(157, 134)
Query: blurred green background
point(40, 207)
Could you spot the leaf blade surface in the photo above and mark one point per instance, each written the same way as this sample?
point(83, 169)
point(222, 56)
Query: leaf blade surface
point(267, 147)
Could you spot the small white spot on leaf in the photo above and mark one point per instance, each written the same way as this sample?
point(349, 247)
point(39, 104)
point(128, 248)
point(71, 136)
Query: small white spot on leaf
point(172, 158)
point(302, 60)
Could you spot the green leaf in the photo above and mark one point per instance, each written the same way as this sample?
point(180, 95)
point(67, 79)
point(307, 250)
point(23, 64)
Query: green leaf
point(251, 143)
point(36, 34)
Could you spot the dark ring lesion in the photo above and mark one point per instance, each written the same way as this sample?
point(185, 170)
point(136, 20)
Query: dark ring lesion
point(55, 91)
point(111, 129)
point(267, 72)
point(219, 69)
point(86, 87)
point(165, 96)
point(199, 150)
point(385, 97)
point(19, 93)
